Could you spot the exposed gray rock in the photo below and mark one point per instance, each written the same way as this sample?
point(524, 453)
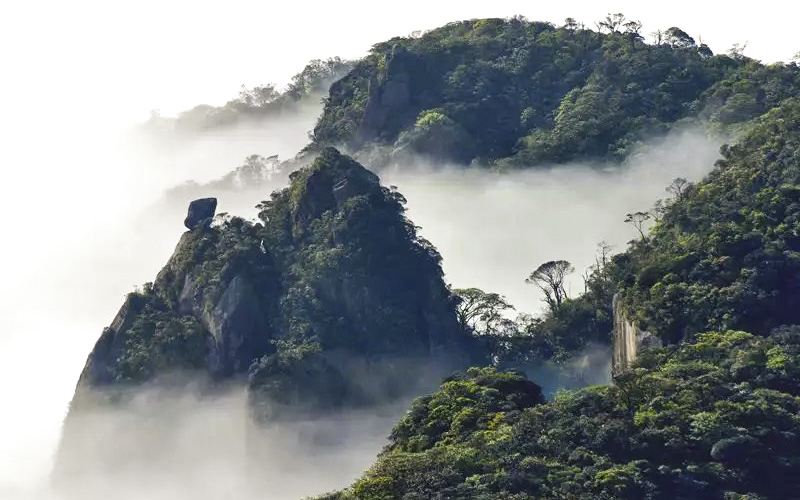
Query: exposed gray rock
point(201, 211)
point(629, 339)
point(234, 318)
point(228, 296)
point(388, 96)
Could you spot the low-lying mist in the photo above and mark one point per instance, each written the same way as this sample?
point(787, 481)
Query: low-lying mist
point(168, 443)
point(493, 229)
point(80, 233)
point(102, 225)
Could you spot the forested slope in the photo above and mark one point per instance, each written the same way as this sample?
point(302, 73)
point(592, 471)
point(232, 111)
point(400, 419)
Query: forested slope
point(714, 414)
point(511, 92)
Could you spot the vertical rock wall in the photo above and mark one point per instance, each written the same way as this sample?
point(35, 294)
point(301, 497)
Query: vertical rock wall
point(629, 340)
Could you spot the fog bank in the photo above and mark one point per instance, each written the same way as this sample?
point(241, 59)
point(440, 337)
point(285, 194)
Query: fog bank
point(493, 229)
point(88, 233)
point(82, 234)
point(169, 443)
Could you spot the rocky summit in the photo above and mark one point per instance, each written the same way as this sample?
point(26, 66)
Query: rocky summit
point(320, 305)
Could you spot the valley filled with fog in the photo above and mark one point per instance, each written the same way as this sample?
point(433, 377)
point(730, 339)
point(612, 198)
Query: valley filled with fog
point(115, 221)
point(95, 195)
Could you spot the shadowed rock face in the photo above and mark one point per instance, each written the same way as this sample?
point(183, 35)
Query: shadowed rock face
point(389, 95)
point(201, 212)
point(235, 322)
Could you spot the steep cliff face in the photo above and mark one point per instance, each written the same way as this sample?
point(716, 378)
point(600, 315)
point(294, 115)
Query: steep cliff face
point(389, 95)
point(629, 340)
point(332, 300)
point(356, 280)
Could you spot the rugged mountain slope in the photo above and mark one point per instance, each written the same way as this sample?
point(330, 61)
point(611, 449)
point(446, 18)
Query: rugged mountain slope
point(711, 415)
point(717, 418)
point(514, 92)
point(726, 253)
point(320, 304)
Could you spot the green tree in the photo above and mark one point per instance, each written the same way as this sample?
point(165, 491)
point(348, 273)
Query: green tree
point(678, 38)
point(638, 221)
point(549, 278)
point(482, 312)
point(678, 187)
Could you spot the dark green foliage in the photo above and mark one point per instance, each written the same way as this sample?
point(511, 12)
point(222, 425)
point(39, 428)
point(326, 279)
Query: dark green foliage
point(479, 399)
point(559, 334)
point(715, 418)
point(357, 279)
point(521, 93)
point(750, 92)
point(359, 249)
point(157, 341)
point(726, 254)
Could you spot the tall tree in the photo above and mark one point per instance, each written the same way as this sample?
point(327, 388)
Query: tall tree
point(570, 23)
point(638, 220)
point(549, 278)
point(612, 22)
point(678, 38)
point(678, 187)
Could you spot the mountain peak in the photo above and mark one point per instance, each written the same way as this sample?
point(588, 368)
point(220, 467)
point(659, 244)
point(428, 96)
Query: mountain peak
point(334, 280)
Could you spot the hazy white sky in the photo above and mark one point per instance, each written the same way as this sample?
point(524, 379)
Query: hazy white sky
point(134, 56)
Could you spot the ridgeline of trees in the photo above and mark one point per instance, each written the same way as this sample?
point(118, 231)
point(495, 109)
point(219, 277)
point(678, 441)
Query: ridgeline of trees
point(510, 92)
point(259, 102)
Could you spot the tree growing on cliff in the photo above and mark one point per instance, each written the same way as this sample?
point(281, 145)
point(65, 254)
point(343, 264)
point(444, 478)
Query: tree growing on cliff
point(549, 278)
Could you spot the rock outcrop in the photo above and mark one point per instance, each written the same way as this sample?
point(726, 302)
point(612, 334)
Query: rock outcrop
point(629, 340)
point(201, 212)
point(332, 301)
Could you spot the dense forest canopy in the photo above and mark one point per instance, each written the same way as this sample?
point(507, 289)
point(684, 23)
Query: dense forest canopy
point(714, 414)
point(725, 253)
point(515, 93)
point(716, 418)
